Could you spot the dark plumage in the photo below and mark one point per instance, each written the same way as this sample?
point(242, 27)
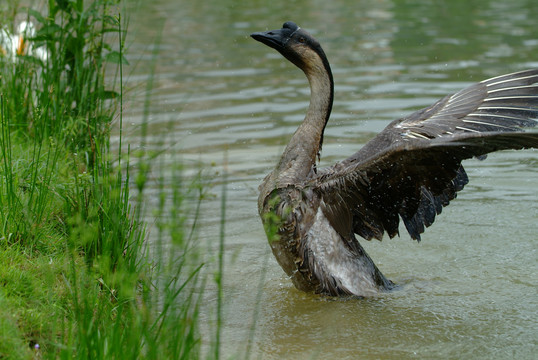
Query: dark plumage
point(409, 171)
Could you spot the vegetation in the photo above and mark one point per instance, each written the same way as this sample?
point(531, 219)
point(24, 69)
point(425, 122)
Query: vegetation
point(78, 279)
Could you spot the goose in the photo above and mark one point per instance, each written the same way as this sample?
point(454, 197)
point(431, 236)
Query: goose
point(13, 45)
point(408, 172)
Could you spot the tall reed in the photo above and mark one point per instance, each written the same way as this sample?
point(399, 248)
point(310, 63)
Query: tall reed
point(82, 280)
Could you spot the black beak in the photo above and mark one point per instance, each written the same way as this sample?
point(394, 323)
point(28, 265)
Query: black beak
point(276, 39)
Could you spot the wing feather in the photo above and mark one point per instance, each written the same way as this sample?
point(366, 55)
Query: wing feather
point(412, 169)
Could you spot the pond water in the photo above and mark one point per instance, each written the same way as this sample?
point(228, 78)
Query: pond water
point(219, 98)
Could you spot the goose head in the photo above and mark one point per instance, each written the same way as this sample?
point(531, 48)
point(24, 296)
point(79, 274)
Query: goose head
point(295, 44)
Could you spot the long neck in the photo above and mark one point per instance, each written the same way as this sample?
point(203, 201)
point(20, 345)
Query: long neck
point(299, 157)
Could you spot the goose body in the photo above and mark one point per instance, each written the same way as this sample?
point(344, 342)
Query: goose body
point(409, 171)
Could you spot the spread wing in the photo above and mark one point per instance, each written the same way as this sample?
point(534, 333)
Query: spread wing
point(413, 167)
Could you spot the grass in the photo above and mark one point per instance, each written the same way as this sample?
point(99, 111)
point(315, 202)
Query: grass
point(78, 277)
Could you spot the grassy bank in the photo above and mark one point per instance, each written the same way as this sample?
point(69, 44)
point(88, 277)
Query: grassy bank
point(78, 279)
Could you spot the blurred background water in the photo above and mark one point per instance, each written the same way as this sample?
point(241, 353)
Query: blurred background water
point(225, 103)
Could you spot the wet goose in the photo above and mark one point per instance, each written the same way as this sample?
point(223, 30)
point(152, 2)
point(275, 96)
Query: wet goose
point(409, 171)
